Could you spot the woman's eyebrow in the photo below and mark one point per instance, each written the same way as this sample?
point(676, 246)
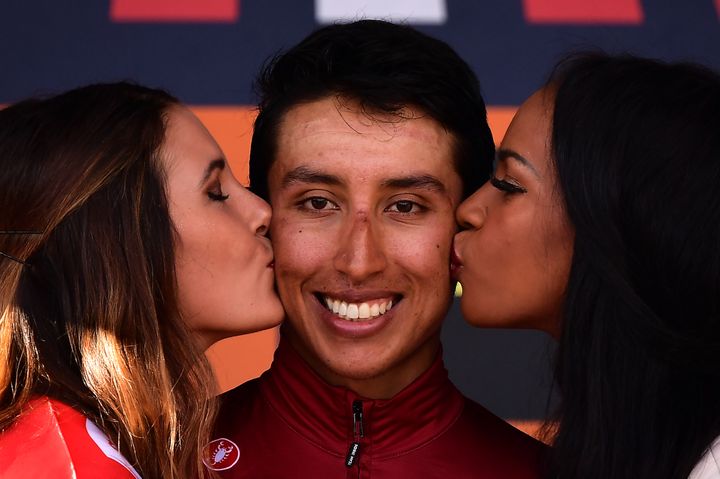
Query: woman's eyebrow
point(504, 154)
point(217, 164)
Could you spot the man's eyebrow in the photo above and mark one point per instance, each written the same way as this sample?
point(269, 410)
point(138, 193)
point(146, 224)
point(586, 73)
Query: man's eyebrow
point(423, 182)
point(217, 164)
point(304, 174)
point(504, 154)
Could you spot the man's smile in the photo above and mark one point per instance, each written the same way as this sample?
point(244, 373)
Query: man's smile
point(353, 309)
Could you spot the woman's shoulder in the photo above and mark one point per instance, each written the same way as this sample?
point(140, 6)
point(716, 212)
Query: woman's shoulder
point(709, 465)
point(51, 439)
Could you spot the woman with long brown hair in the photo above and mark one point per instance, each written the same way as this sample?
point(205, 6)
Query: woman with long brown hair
point(127, 247)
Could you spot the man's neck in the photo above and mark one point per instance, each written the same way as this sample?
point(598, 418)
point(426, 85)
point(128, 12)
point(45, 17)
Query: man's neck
point(384, 385)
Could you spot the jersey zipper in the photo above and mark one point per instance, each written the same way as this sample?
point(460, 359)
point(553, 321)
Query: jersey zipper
point(353, 455)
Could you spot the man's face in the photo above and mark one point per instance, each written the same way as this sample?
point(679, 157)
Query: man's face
point(362, 229)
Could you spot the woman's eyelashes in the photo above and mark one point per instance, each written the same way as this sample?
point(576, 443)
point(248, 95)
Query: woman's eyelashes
point(507, 186)
point(216, 193)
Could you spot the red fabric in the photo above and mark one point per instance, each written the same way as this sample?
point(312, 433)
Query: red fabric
point(50, 440)
point(290, 423)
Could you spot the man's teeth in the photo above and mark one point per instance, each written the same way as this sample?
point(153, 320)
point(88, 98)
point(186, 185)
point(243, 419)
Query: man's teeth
point(357, 311)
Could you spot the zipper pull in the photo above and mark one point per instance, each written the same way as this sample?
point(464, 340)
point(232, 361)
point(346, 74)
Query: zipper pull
point(357, 408)
point(358, 432)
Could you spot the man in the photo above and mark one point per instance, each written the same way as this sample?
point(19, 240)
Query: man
point(368, 137)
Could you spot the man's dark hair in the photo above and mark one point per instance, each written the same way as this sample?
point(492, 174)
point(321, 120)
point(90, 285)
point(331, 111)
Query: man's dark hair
point(385, 68)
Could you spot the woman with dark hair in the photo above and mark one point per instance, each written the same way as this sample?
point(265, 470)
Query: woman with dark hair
point(127, 247)
point(601, 226)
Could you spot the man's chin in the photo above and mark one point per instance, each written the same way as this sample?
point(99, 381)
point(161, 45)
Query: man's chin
point(338, 369)
point(368, 380)
point(355, 370)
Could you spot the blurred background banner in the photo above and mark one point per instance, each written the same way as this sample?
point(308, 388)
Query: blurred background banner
point(207, 52)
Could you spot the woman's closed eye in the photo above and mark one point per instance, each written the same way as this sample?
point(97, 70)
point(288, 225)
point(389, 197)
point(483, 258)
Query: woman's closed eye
point(507, 185)
point(216, 193)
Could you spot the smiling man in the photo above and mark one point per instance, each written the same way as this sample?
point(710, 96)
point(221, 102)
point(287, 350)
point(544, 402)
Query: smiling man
point(363, 212)
point(368, 137)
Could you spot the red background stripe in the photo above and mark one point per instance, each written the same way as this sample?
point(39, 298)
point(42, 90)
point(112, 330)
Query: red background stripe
point(214, 11)
point(584, 11)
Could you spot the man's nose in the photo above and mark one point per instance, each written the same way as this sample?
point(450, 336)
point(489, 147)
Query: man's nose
point(360, 250)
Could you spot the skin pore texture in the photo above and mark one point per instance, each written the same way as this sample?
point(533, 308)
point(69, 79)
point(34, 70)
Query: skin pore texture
point(515, 250)
point(363, 222)
point(223, 256)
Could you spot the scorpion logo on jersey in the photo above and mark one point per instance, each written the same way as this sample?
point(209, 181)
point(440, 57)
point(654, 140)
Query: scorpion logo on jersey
point(221, 454)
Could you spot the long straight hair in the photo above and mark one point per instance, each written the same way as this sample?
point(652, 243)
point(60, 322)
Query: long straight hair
point(91, 317)
point(636, 144)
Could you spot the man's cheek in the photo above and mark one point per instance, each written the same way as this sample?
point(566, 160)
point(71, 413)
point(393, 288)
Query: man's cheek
point(425, 244)
point(301, 253)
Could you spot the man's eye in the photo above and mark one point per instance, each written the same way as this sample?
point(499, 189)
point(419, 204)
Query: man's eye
point(319, 204)
point(404, 206)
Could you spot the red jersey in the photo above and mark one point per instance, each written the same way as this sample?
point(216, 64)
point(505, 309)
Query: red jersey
point(289, 423)
point(53, 440)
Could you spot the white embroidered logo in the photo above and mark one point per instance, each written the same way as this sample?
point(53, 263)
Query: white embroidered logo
point(221, 454)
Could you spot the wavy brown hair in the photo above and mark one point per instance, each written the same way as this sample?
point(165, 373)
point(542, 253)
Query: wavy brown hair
point(91, 317)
